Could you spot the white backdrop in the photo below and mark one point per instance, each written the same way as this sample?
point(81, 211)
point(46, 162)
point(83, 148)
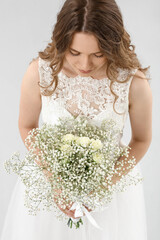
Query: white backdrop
point(25, 28)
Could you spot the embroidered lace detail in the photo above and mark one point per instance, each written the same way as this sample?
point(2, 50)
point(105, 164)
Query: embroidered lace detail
point(85, 95)
point(45, 75)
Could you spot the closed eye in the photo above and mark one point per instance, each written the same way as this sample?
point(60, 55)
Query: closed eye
point(99, 56)
point(79, 54)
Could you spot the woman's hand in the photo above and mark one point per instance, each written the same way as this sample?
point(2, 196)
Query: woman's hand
point(115, 178)
point(67, 210)
point(43, 165)
point(48, 174)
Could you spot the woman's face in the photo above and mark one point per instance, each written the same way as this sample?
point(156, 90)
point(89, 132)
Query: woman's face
point(85, 55)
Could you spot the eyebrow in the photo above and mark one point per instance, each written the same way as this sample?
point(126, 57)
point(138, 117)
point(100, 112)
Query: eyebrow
point(79, 52)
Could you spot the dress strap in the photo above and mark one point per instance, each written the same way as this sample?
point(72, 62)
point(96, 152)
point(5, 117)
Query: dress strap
point(128, 86)
point(122, 90)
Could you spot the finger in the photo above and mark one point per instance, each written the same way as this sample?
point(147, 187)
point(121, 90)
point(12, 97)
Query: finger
point(68, 212)
point(87, 208)
point(58, 191)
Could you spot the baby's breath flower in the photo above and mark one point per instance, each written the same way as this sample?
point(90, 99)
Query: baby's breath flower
point(75, 158)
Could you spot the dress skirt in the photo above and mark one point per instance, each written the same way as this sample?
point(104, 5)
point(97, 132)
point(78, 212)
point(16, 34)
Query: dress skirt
point(124, 219)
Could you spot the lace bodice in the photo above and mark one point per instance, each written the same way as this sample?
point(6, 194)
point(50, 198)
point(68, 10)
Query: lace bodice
point(84, 96)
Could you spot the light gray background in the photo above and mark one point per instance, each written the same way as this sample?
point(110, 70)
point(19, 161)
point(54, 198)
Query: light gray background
point(25, 28)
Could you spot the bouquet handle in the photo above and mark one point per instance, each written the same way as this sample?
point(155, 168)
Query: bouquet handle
point(79, 210)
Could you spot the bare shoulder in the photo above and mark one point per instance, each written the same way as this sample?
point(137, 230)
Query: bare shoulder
point(140, 90)
point(30, 99)
point(140, 108)
point(33, 69)
point(31, 77)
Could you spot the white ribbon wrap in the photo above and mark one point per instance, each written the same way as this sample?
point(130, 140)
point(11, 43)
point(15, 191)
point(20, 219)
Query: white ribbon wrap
point(79, 210)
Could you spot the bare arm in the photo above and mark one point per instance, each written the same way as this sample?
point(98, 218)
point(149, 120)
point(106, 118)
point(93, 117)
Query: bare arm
point(30, 108)
point(140, 113)
point(30, 100)
point(30, 104)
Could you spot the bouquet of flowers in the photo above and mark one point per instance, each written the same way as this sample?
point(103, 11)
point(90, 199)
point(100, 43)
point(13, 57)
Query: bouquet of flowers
point(79, 158)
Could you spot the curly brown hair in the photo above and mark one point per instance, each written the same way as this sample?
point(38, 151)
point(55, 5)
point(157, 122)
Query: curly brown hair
point(103, 19)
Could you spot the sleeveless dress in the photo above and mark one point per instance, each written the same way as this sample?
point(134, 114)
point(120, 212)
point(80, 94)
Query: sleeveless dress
point(125, 218)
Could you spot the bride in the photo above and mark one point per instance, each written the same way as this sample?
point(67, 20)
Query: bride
point(90, 67)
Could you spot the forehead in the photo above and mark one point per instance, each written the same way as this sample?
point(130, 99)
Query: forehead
point(85, 42)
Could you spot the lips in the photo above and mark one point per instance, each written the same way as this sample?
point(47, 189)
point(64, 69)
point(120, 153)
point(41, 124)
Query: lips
point(85, 71)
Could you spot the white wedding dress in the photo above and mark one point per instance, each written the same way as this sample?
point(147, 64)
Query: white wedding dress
point(125, 218)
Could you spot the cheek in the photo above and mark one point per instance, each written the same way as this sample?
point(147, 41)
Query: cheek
point(99, 62)
point(70, 59)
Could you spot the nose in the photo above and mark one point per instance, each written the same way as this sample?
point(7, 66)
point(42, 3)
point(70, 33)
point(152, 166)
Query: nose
point(85, 64)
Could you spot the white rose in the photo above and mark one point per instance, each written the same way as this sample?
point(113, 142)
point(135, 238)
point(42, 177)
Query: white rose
point(66, 148)
point(68, 138)
point(97, 157)
point(83, 141)
point(96, 144)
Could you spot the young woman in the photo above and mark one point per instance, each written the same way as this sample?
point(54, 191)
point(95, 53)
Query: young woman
point(89, 68)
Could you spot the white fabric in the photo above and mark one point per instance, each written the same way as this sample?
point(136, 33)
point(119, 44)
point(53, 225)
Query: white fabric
point(125, 217)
